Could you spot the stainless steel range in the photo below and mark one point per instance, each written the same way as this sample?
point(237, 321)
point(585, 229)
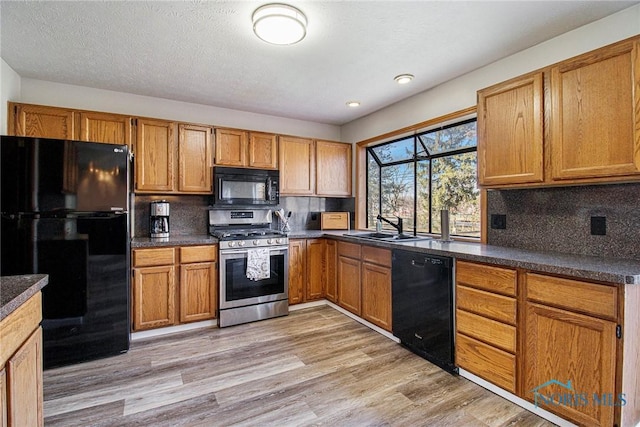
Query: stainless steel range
point(254, 266)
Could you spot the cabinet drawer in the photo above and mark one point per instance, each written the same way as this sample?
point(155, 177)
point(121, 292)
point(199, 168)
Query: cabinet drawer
point(350, 250)
point(189, 254)
point(490, 278)
point(498, 307)
point(496, 366)
point(487, 330)
point(376, 255)
point(151, 257)
point(590, 298)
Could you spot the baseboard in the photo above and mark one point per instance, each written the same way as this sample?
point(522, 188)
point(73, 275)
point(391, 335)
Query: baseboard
point(172, 329)
point(517, 400)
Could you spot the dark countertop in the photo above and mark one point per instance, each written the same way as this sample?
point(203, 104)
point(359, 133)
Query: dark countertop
point(611, 270)
point(16, 290)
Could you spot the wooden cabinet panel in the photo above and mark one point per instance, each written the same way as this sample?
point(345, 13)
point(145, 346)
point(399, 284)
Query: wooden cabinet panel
point(3, 398)
point(297, 270)
point(565, 346)
point(263, 150)
point(41, 121)
point(195, 154)
point(198, 286)
point(24, 389)
point(189, 254)
point(297, 166)
point(595, 129)
point(492, 364)
point(376, 294)
point(153, 257)
point(349, 288)
point(490, 331)
point(487, 304)
point(333, 169)
point(589, 298)
point(315, 269)
point(351, 250)
point(154, 156)
point(376, 255)
point(331, 291)
point(105, 127)
point(489, 278)
point(231, 147)
point(154, 296)
point(510, 132)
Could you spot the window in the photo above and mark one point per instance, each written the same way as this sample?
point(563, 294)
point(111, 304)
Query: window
point(415, 177)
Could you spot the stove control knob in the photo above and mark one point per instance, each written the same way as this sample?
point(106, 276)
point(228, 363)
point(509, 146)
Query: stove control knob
point(255, 243)
point(232, 244)
point(279, 241)
point(241, 243)
point(270, 241)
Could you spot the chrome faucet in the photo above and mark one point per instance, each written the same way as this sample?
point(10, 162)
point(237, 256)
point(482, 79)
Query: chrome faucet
point(397, 226)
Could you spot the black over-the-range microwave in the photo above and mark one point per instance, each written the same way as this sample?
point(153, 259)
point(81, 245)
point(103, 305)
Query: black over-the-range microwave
point(245, 187)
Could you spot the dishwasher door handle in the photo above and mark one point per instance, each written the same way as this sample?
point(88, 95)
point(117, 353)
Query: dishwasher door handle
point(417, 264)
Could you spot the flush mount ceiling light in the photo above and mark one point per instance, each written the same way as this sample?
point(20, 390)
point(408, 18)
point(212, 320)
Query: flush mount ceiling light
point(403, 79)
point(353, 104)
point(279, 24)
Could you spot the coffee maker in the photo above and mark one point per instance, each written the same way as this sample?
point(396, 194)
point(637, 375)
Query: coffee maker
point(159, 219)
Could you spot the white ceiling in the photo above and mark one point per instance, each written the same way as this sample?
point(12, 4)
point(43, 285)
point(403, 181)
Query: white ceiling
point(205, 51)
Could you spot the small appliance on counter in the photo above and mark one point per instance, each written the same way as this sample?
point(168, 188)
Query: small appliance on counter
point(159, 219)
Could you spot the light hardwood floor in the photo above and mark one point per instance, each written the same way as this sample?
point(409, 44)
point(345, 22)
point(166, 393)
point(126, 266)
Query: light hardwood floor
point(313, 367)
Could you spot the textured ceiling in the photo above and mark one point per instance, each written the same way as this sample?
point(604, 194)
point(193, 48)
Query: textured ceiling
point(205, 51)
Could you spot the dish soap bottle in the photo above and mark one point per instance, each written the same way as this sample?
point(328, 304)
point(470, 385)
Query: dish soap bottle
point(378, 226)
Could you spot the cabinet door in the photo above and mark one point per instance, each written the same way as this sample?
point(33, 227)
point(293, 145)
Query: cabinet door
point(349, 284)
point(3, 398)
point(24, 388)
point(41, 121)
point(376, 295)
point(154, 296)
point(595, 129)
point(195, 157)
point(331, 277)
point(231, 147)
point(297, 270)
point(563, 346)
point(315, 269)
point(510, 132)
point(198, 290)
point(263, 150)
point(106, 128)
point(333, 169)
point(154, 155)
point(297, 166)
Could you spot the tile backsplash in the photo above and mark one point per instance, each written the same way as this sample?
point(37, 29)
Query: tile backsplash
point(560, 219)
point(188, 214)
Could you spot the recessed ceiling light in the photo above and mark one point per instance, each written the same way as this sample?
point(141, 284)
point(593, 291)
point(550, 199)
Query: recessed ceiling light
point(279, 24)
point(403, 79)
point(353, 104)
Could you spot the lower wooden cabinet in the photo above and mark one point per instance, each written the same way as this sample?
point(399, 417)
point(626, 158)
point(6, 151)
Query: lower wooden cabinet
point(376, 286)
point(349, 284)
point(21, 389)
point(307, 270)
point(173, 285)
point(331, 288)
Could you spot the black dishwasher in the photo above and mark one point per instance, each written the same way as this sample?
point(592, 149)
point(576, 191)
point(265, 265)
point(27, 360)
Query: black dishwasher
point(423, 306)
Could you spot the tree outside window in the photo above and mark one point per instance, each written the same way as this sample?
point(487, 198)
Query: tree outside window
point(415, 177)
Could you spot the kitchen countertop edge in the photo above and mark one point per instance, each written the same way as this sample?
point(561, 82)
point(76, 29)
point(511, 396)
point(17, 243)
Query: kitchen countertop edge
point(16, 290)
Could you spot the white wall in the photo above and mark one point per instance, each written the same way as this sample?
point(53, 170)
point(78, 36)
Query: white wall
point(460, 93)
point(84, 98)
point(9, 91)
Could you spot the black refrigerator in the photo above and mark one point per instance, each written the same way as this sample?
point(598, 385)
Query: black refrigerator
point(65, 213)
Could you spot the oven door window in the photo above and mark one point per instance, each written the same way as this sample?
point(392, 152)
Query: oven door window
point(239, 287)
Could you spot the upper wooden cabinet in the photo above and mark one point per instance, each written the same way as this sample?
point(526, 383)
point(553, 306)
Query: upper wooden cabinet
point(333, 169)
point(246, 149)
point(105, 127)
point(595, 114)
point(309, 167)
point(195, 156)
point(510, 132)
point(41, 121)
point(297, 166)
point(574, 122)
point(154, 156)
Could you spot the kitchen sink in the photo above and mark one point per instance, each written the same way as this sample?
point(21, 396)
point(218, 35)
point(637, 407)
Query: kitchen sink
point(388, 237)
